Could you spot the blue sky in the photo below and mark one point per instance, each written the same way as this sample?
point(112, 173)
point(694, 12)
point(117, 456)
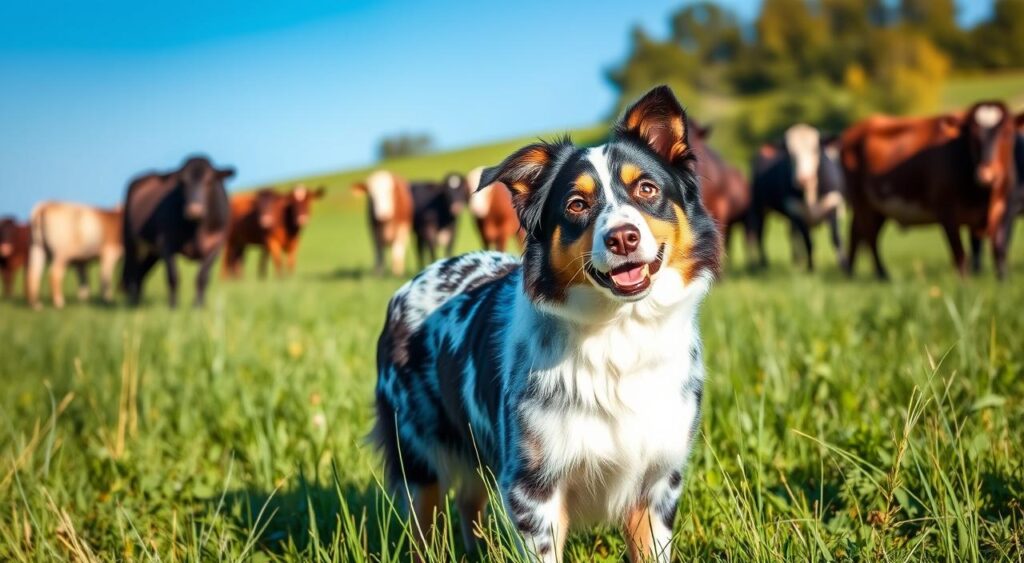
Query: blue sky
point(95, 91)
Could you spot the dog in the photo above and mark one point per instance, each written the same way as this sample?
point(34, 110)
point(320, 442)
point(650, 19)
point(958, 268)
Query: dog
point(574, 375)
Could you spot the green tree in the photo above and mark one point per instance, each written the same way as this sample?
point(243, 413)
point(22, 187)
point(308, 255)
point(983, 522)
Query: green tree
point(936, 20)
point(710, 32)
point(999, 42)
point(651, 63)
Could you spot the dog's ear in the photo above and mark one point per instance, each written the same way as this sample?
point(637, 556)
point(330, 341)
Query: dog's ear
point(659, 121)
point(527, 174)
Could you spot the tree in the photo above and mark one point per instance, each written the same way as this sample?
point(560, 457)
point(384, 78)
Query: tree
point(999, 43)
point(651, 63)
point(936, 20)
point(404, 144)
point(708, 31)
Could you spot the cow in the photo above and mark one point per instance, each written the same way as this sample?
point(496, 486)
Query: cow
point(801, 179)
point(271, 221)
point(181, 212)
point(389, 208)
point(491, 207)
point(15, 238)
point(955, 170)
point(724, 191)
point(70, 234)
point(436, 209)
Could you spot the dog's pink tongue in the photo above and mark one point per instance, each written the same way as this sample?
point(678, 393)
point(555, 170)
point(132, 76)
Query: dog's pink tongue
point(629, 277)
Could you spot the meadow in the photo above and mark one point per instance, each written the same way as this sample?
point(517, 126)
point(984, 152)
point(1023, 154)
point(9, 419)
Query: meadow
point(843, 419)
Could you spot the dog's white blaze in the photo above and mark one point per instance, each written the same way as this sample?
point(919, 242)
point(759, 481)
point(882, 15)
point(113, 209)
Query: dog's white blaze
point(988, 116)
point(597, 157)
point(381, 188)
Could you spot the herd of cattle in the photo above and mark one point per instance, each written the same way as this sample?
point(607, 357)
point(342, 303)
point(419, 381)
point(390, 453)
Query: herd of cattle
point(963, 169)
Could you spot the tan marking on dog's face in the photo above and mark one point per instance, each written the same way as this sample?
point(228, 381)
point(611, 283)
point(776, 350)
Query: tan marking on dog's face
point(630, 173)
point(678, 240)
point(568, 260)
point(585, 183)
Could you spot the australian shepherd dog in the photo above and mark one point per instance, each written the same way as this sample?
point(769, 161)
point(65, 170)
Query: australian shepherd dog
point(572, 377)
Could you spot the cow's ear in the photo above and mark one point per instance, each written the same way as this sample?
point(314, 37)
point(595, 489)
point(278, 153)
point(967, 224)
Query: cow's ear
point(949, 125)
point(660, 121)
point(526, 173)
point(1018, 121)
point(702, 131)
point(225, 173)
point(360, 188)
point(320, 192)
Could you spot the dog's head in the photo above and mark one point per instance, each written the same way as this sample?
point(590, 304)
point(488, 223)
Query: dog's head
point(616, 223)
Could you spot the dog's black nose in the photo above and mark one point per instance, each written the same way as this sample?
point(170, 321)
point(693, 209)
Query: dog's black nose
point(622, 240)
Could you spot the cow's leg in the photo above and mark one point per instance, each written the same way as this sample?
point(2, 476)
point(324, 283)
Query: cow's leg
point(398, 251)
point(274, 249)
point(976, 249)
point(264, 262)
point(290, 251)
point(108, 263)
point(378, 251)
point(1000, 247)
point(203, 277)
point(755, 236)
point(34, 276)
point(57, 268)
point(726, 239)
point(171, 265)
point(874, 229)
point(449, 247)
point(498, 245)
point(81, 268)
point(837, 243)
point(138, 277)
point(956, 245)
point(800, 233)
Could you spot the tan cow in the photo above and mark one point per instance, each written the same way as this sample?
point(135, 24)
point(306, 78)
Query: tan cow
point(390, 214)
point(70, 234)
point(495, 215)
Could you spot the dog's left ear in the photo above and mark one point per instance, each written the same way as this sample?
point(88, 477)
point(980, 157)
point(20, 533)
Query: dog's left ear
point(660, 121)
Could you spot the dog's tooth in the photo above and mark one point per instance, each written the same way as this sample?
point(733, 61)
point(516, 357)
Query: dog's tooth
point(647, 270)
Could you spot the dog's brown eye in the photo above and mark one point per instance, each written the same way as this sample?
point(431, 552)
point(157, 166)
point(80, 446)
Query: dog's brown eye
point(646, 190)
point(577, 205)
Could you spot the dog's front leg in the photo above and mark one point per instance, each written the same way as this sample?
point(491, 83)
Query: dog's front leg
point(648, 525)
point(541, 517)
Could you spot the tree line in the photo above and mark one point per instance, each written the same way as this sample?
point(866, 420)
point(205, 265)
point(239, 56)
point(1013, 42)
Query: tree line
point(823, 61)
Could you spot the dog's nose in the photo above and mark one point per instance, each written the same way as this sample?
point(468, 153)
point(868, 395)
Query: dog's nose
point(622, 240)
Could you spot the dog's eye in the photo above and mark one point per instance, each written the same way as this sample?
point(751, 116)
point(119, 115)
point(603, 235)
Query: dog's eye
point(646, 189)
point(577, 205)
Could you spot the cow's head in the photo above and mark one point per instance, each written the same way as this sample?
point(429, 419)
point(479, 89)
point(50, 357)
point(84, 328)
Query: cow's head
point(989, 130)
point(8, 230)
point(201, 182)
point(803, 143)
point(456, 192)
point(300, 201)
point(266, 201)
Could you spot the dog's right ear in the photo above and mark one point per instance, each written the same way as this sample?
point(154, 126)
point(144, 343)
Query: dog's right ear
point(527, 174)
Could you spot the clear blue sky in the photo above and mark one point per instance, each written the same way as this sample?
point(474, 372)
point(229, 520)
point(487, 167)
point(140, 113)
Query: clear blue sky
point(95, 91)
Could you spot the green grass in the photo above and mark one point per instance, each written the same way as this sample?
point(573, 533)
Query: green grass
point(844, 420)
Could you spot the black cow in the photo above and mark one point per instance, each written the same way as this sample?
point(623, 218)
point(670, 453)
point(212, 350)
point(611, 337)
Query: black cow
point(801, 179)
point(436, 208)
point(182, 212)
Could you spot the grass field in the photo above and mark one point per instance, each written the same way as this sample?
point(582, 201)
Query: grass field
point(844, 420)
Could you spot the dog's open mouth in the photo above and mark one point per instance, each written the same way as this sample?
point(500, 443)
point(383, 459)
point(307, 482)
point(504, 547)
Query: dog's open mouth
point(629, 279)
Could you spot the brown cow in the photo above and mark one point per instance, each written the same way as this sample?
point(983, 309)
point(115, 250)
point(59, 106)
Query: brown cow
point(954, 170)
point(70, 234)
point(182, 212)
point(725, 193)
point(389, 207)
point(491, 206)
point(14, 242)
point(271, 221)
